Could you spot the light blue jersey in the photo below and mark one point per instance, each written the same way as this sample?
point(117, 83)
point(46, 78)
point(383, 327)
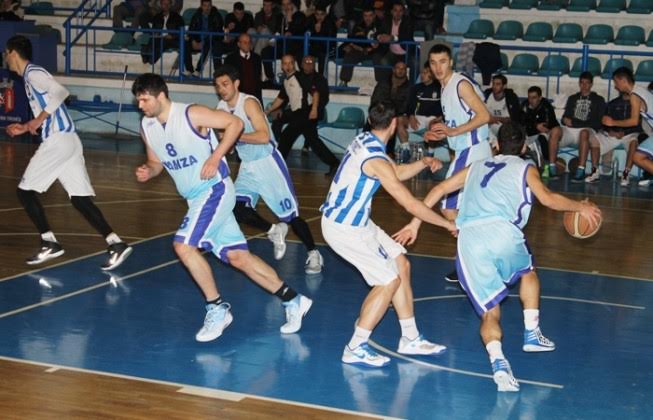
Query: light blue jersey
point(183, 150)
point(248, 151)
point(39, 86)
point(349, 200)
point(646, 96)
point(457, 112)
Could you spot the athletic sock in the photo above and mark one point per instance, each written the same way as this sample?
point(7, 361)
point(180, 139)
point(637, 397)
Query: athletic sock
point(285, 293)
point(494, 350)
point(531, 318)
point(48, 236)
point(360, 336)
point(409, 328)
point(113, 239)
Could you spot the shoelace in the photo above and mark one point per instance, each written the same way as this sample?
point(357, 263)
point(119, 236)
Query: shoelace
point(501, 364)
point(541, 338)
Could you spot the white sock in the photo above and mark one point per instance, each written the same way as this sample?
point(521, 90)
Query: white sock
point(494, 350)
point(409, 328)
point(404, 146)
point(361, 335)
point(112, 238)
point(531, 318)
point(48, 236)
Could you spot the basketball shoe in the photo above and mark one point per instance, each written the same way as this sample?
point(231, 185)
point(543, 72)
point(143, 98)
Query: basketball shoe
point(296, 309)
point(593, 177)
point(364, 355)
point(503, 377)
point(419, 346)
point(452, 277)
point(118, 253)
point(218, 318)
point(48, 251)
point(314, 262)
point(534, 341)
point(277, 235)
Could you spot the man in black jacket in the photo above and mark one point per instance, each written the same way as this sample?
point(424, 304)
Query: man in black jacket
point(541, 125)
point(206, 19)
point(353, 53)
point(293, 23)
point(165, 19)
point(248, 64)
point(237, 22)
point(398, 28)
point(503, 105)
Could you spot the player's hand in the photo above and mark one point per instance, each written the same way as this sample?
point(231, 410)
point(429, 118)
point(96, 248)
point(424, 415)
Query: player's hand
point(452, 228)
point(542, 128)
point(16, 129)
point(412, 121)
point(407, 235)
point(210, 169)
point(591, 212)
point(432, 163)
point(607, 121)
point(33, 125)
point(143, 173)
point(567, 121)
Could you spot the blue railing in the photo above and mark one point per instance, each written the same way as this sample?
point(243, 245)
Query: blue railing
point(92, 8)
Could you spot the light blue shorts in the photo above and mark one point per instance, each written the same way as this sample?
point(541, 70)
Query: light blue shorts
point(491, 257)
point(268, 178)
point(646, 147)
point(462, 160)
point(210, 223)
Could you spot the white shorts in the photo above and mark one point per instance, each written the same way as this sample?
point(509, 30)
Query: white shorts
point(571, 135)
point(493, 134)
point(533, 144)
point(608, 143)
point(367, 248)
point(462, 160)
point(646, 147)
point(60, 157)
point(423, 122)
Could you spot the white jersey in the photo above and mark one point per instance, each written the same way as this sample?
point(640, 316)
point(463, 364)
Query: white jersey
point(457, 112)
point(182, 150)
point(45, 94)
point(647, 97)
point(248, 151)
point(349, 201)
point(497, 108)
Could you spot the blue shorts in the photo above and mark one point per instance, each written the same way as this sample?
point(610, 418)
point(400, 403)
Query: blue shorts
point(268, 178)
point(462, 160)
point(491, 257)
point(210, 223)
point(646, 147)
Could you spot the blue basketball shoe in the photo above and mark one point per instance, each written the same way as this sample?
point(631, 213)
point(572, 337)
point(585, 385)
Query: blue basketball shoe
point(503, 377)
point(534, 341)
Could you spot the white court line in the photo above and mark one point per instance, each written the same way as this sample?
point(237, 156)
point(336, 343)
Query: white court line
point(194, 390)
point(568, 299)
point(454, 370)
point(110, 187)
point(135, 238)
point(52, 369)
point(141, 200)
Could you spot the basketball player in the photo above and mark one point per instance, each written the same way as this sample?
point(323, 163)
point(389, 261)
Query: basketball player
point(59, 157)
point(349, 231)
point(465, 123)
point(178, 137)
point(492, 251)
point(641, 103)
point(263, 172)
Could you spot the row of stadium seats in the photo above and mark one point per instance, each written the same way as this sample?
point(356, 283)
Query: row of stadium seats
point(601, 34)
point(603, 6)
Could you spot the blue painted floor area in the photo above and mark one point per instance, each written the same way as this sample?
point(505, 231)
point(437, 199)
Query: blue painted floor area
point(144, 326)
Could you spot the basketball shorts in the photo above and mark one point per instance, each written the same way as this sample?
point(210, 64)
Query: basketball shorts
point(462, 160)
point(570, 136)
point(210, 223)
point(608, 143)
point(422, 121)
point(491, 257)
point(646, 147)
point(367, 248)
point(59, 157)
point(269, 179)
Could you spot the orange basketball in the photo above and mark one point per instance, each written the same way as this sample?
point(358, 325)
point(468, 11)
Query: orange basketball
point(578, 226)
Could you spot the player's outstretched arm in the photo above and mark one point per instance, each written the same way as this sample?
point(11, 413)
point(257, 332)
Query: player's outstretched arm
point(407, 171)
point(152, 167)
point(257, 117)
point(559, 202)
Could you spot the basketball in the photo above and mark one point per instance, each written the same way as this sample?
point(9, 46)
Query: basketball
point(578, 226)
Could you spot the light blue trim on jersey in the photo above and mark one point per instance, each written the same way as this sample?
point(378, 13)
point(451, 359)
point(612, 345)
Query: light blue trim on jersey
point(357, 195)
point(528, 199)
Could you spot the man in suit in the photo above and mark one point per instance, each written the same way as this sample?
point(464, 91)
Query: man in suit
point(166, 19)
point(248, 64)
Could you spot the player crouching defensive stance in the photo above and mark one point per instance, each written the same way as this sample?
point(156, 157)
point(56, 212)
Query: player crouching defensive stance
point(492, 250)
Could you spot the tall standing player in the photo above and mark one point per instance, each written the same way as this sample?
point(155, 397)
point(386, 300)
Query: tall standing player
point(263, 172)
point(351, 233)
point(178, 137)
point(492, 250)
point(465, 123)
point(59, 157)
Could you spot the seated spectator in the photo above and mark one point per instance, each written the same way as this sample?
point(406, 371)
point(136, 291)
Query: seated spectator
point(166, 19)
point(293, 23)
point(503, 105)
point(607, 139)
point(10, 10)
point(321, 25)
point(248, 64)
point(396, 89)
point(205, 19)
point(128, 9)
point(368, 28)
point(267, 22)
point(540, 122)
point(423, 107)
point(237, 22)
point(397, 29)
point(582, 118)
point(422, 13)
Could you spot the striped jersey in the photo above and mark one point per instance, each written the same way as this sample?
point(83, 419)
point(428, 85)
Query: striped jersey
point(646, 96)
point(496, 189)
point(248, 151)
point(183, 150)
point(45, 94)
point(349, 200)
point(457, 112)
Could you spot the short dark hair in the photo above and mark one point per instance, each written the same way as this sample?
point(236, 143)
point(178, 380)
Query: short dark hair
point(149, 83)
point(239, 6)
point(381, 114)
point(368, 8)
point(624, 73)
point(227, 70)
point(500, 77)
point(511, 138)
point(535, 89)
point(440, 48)
point(586, 75)
point(22, 45)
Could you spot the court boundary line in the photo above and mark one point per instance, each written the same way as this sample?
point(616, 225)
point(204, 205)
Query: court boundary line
point(547, 297)
point(189, 389)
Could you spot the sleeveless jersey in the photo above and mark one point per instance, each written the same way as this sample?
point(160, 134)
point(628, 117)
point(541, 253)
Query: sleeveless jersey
point(349, 200)
point(646, 96)
point(248, 151)
point(38, 83)
point(457, 112)
point(183, 150)
point(496, 189)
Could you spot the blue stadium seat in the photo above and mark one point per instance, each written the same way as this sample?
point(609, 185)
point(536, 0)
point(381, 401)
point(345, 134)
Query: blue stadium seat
point(649, 41)
point(119, 40)
point(524, 64)
point(568, 33)
point(523, 4)
point(630, 35)
point(593, 66)
point(480, 29)
point(509, 30)
point(611, 6)
point(581, 5)
point(493, 4)
point(599, 34)
point(644, 71)
point(643, 7)
point(613, 64)
point(554, 65)
point(551, 4)
point(539, 32)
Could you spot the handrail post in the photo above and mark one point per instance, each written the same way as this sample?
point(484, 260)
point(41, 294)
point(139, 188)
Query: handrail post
point(307, 37)
point(68, 49)
point(584, 63)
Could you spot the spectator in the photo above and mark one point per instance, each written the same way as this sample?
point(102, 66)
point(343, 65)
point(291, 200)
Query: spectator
point(10, 10)
point(205, 19)
point(237, 22)
point(503, 105)
point(439, 16)
point(293, 23)
point(397, 29)
point(153, 7)
point(422, 13)
point(267, 22)
point(607, 139)
point(248, 64)
point(354, 53)
point(582, 118)
point(397, 91)
point(540, 123)
point(128, 9)
point(166, 19)
point(321, 25)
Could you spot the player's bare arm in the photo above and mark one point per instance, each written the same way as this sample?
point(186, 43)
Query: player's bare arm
point(409, 170)
point(261, 133)
point(152, 167)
